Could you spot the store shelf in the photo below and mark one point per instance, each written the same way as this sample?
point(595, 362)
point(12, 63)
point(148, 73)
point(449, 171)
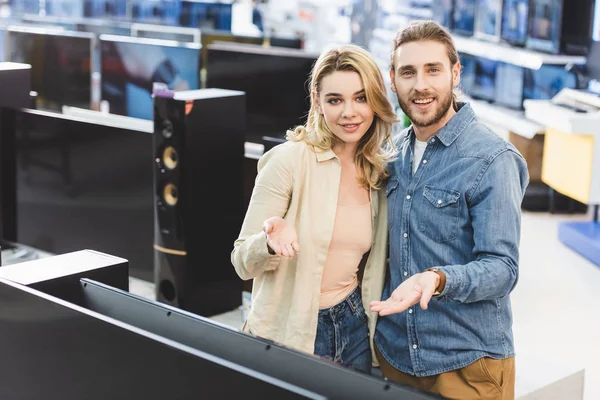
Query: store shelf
point(512, 120)
point(512, 55)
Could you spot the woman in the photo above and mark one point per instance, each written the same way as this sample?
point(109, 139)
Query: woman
point(319, 192)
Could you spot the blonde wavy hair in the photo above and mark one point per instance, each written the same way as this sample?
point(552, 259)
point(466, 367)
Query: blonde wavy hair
point(376, 147)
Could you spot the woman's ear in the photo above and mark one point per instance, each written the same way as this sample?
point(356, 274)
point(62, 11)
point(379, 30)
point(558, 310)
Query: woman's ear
point(316, 102)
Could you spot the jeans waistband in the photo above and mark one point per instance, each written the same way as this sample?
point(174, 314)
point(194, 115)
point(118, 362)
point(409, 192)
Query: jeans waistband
point(353, 301)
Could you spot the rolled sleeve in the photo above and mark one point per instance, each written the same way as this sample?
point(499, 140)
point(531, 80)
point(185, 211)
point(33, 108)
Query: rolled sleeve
point(270, 197)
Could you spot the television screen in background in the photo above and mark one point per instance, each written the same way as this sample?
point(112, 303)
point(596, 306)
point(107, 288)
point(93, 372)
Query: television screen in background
point(509, 85)
point(463, 17)
point(484, 86)
point(546, 82)
point(596, 23)
point(514, 21)
point(21, 7)
point(442, 12)
point(467, 73)
point(544, 21)
point(131, 65)
point(275, 82)
point(104, 8)
point(65, 8)
point(61, 65)
point(489, 19)
point(207, 15)
point(2, 44)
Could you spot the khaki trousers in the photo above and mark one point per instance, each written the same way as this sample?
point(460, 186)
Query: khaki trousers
point(486, 378)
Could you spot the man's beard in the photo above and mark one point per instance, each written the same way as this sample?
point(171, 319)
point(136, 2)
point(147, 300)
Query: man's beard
point(419, 121)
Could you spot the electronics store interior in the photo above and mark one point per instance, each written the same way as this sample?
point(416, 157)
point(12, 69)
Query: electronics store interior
point(132, 134)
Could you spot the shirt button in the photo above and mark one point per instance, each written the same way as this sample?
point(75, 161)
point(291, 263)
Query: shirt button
point(408, 197)
point(405, 273)
point(415, 346)
point(439, 202)
point(424, 161)
point(432, 140)
point(410, 311)
point(405, 235)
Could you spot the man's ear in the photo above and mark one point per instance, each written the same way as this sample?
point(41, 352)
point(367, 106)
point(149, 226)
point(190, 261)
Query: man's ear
point(456, 69)
point(393, 79)
point(316, 102)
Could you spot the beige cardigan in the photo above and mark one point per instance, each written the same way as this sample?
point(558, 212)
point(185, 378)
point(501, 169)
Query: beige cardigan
point(299, 183)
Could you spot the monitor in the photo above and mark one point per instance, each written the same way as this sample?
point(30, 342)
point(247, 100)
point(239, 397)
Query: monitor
point(206, 15)
point(509, 85)
point(489, 19)
point(85, 182)
point(463, 17)
point(155, 11)
point(467, 73)
point(210, 36)
point(593, 59)
point(22, 7)
point(546, 82)
point(61, 64)
point(321, 376)
point(104, 8)
point(596, 22)
point(64, 8)
point(58, 347)
point(2, 44)
point(131, 65)
point(484, 85)
point(545, 19)
point(275, 82)
point(515, 15)
point(442, 12)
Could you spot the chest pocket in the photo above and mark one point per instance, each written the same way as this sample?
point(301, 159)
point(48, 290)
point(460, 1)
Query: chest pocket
point(391, 194)
point(438, 219)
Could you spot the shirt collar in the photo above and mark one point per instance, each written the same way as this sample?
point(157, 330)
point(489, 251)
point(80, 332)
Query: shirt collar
point(457, 124)
point(324, 155)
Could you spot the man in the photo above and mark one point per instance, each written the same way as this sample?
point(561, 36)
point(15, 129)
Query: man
point(454, 199)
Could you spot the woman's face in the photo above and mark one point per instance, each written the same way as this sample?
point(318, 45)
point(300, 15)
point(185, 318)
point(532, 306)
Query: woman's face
point(343, 103)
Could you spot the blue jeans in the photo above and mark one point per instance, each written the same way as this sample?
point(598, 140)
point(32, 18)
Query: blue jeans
point(343, 334)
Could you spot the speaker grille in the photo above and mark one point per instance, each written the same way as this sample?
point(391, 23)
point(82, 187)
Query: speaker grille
point(170, 194)
point(170, 158)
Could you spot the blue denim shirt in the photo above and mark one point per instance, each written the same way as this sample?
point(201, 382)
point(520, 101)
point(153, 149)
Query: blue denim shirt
point(460, 212)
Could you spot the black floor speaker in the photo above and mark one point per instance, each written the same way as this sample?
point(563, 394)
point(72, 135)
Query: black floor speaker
point(198, 198)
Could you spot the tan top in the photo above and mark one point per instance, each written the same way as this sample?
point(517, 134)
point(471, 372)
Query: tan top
point(351, 239)
point(301, 185)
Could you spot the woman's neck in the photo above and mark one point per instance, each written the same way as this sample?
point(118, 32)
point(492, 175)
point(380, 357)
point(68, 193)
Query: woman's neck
point(345, 152)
